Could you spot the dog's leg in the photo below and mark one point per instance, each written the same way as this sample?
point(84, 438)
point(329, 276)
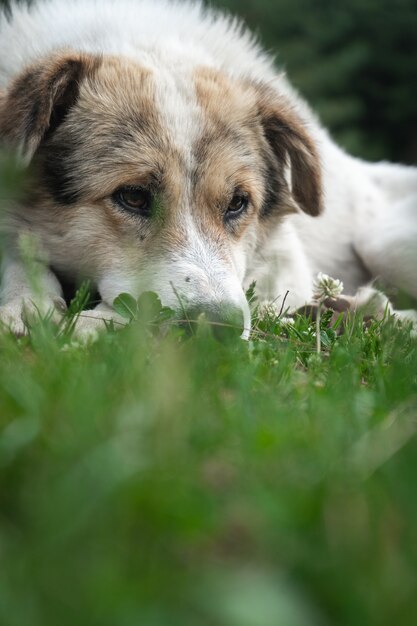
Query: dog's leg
point(387, 243)
point(20, 300)
point(282, 273)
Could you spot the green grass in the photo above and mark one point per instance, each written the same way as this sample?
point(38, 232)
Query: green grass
point(158, 479)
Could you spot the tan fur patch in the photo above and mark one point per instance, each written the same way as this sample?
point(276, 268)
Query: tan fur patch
point(234, 149)
point(229, 151)
point(113, 135)
point(239, 112)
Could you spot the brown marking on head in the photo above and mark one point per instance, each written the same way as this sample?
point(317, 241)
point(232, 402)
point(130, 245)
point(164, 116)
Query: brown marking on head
point(249, 137)
point(226, 101)
point(228, 153)
point(112, 137)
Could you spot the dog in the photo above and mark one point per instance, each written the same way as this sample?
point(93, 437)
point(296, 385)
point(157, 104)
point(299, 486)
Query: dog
point(167, 153)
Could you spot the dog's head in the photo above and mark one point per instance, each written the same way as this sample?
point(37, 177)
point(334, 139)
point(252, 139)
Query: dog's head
point(149, 178)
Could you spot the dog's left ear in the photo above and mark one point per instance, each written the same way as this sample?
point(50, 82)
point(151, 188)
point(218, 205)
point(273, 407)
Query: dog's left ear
point(39, 99)
point(287, 135)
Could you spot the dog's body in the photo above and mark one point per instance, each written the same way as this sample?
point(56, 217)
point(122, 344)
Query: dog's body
point(170, 155)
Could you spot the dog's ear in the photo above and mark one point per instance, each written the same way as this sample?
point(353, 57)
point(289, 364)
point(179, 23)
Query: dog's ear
point(39, 99)
point(290, 142)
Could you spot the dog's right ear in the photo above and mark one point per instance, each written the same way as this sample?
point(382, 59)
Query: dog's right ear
point(39, 99)
point(292, 144)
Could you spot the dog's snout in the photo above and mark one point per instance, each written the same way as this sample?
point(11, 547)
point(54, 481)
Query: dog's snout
point(225, 320)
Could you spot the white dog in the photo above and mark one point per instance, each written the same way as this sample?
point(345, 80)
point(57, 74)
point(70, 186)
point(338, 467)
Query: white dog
point(168, 154)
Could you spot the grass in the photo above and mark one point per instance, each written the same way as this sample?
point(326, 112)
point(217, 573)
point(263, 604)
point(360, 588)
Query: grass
point(159, 479)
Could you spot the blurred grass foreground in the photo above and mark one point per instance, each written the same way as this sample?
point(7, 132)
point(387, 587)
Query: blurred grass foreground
point(156, 479)
point(172, 481)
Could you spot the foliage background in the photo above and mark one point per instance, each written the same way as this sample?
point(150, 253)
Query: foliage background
point(355, 62)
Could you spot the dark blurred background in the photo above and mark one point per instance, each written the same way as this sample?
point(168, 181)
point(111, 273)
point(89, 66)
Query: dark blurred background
point(354, 60)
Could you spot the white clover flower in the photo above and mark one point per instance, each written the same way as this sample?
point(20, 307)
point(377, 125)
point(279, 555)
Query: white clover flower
point(326, 287)
point(268, 310)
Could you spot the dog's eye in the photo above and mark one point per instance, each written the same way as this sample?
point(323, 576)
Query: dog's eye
point(134, 199)
point(238, 205)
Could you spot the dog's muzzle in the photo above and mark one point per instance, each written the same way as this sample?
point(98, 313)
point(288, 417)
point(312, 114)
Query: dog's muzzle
point(225, 320)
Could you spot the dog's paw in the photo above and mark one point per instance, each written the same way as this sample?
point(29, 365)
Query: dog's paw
point(12, 319)
point(375, 305)
point(90, 323)
point(371, 303)
point(19, 314)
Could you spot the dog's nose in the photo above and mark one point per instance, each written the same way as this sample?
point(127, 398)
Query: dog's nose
point(225, 320)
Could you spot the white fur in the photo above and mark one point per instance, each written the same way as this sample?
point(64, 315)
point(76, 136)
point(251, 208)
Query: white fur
point(369, 226)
